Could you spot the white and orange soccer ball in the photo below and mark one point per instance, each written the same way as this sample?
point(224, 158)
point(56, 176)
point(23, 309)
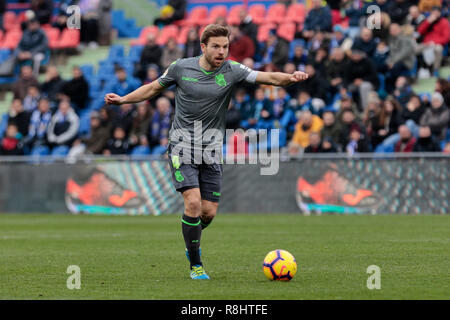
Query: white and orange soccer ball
point(279, 265)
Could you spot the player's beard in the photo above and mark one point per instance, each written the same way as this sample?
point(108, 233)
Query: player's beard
point(212, 61)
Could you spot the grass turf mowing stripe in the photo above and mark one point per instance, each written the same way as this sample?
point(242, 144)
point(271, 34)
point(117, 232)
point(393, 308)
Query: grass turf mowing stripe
point(142, 257)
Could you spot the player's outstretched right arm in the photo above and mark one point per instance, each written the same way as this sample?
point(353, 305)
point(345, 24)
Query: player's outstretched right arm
point(143, 93)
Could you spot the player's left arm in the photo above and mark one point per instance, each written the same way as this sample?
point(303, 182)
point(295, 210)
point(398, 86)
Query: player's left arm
point(280, 79)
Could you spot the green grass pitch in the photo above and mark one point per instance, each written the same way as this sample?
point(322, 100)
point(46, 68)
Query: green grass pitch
point(143, 257)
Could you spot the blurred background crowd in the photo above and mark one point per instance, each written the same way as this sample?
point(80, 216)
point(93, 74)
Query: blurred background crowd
point(364, 59)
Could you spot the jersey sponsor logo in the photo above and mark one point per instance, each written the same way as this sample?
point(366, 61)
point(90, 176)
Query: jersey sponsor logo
point(189, 79)
point(245, 68)
point(220, 80)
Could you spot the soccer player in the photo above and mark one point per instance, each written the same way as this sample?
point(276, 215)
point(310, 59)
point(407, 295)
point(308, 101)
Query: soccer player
point(204, 86)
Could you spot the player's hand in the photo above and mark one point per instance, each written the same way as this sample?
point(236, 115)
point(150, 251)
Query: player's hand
point(298, 76)
point(112, 98)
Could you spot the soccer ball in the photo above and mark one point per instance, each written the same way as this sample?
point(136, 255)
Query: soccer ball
point(279, 265)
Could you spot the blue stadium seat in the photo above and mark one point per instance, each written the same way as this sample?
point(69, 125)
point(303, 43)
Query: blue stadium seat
point(40, 151)
point(88, 70)
point(135, 52)
point(3, 124)
point(140, 151)
point(158, 150)
point(60, 151)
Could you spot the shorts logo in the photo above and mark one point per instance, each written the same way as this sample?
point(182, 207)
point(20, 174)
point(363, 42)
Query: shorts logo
point(178, 176)
point(217, 194)
point(176, 162)
point(220, 80)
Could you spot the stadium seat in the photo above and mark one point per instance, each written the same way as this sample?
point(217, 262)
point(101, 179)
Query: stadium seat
point(197, 15)
point(170, 31)
point(158, 150)
point(135, 53)
point(233, 15)
point(116, 53)
point(70, 38)
point(257, 12)
point(286, 31)
point(216, 12)
point(10, 21)
point(52, 36)
point(3, 124)
point(263, 31)
point(88, 70)
point(60, 151)
point(276, 13)
point(183, 34)
point(12, 39)
point(142, 40)
point(296, 12)
point(40, 151)
point(140, 151)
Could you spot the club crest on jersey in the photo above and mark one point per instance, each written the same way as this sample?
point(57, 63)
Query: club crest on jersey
point(220, 80)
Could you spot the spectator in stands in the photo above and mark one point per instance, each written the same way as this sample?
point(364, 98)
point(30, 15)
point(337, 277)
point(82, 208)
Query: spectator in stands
point(31, 100)
point(77, 89)
point(357, 141)
point(2, 11)
point(361, 77)
point(249, 28)
point(398, 10)
point(280, 108)
point(426, 142)
point(63, 127)
point(122, 83)
point(446, 148)
point(192, 45)
point(380, 56)
point(415, 17)
point(276, 51)
point(95, 142)
point(340, 39)
point(427, 5)
point(407, 140)
point(170, 53)
point(300, 58)
point(11, 144)
point(140, 125)
point(89, 22)
point(316, 85)
point(336, 70)
point(233, 117)
point(118, 143)
point(123, 116)
point(33, 46)
point(387, 121)
point(347, 103)
point(443, 87)
point(307, 123)
point(173, 11)
point(160, 125)
point(18, 116)
point(53, 83)
point(241, 46)
point(318, 19)
point(354, 10)
point(104, 22)
point(26, 79)
point(402, 91)
point(258, 113)
point(151, 54)
point(152, 73)
point(437, 117)
point(39, 121)
point(401, 55)
point(414, 110)
point(365, 42)
point(43, 9)
point(328, 146)
point(330, 126)
point(314, 143)
point(434, 35)
point(346, 123)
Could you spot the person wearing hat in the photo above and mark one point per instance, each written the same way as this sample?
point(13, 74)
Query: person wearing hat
point(437, 117)
point(434, 35)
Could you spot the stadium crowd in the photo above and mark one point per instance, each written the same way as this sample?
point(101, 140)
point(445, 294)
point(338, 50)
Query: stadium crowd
point(358, 97)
